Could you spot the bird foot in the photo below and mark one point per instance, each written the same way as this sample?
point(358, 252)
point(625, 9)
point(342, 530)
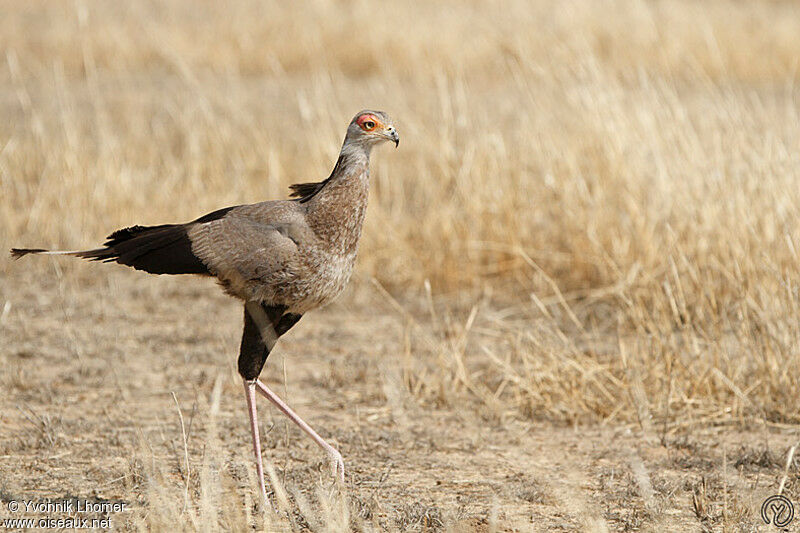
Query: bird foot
point(337, 464)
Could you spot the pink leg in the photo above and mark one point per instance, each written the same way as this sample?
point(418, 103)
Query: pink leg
point(336, 458)
point(250, 392)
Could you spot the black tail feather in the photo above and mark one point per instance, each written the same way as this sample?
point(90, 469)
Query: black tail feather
point(16, 253)
point(164, 249)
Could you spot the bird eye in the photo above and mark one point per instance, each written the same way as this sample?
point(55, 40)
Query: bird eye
point(368, 125)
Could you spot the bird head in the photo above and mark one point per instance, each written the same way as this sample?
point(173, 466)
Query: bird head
point(369, 128)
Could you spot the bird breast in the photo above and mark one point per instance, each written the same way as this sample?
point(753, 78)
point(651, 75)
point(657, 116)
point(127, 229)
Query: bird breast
point(330, 273)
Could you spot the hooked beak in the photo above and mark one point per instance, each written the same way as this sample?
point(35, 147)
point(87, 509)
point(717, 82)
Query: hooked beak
point(392, 135)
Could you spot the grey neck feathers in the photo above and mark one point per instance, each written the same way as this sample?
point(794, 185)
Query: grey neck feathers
point(335, 211)
point(352, 154)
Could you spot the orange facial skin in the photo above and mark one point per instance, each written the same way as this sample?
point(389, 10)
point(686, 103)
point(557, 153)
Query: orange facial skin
point(364, 122)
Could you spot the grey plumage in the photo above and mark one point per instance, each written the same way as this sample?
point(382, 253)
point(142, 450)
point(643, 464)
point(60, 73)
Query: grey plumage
point(282, 257)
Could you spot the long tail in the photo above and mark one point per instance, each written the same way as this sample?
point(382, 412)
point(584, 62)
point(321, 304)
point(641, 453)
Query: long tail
point(164, 249)
point(16, 253)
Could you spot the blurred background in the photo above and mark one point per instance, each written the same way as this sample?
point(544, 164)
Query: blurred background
point(592, 216)
point(639, 157)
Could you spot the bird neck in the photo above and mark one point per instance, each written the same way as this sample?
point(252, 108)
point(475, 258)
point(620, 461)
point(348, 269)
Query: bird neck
point(336, 212)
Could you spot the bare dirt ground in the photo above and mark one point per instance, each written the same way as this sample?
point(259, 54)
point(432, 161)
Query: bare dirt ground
point(90, 366)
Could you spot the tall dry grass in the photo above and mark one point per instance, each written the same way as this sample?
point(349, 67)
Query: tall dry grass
point(602, 195)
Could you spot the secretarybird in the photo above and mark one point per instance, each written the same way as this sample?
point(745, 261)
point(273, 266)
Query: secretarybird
point(282, 258)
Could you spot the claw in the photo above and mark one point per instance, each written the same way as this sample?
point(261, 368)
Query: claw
point(337, 464)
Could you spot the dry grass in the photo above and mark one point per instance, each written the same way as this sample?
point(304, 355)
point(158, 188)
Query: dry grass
point(593, 215)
